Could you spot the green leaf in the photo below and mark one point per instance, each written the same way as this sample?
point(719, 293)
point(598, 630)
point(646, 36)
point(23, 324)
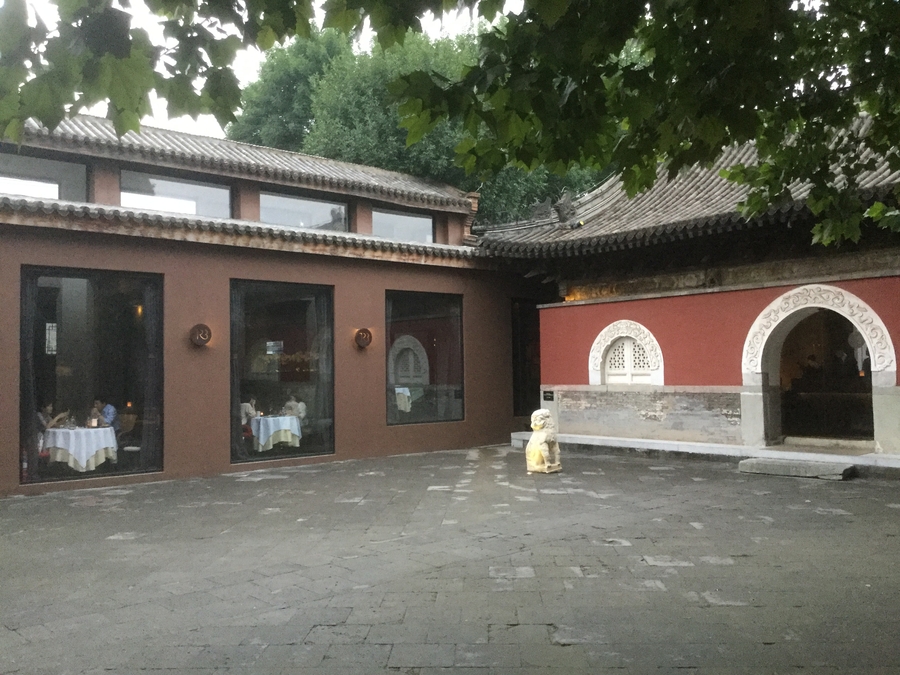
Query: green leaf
point(890, 221)
point(14, 29)
point(41, 99)
point(337, 15)
point(15, 130)
point(877, 211)
point(550, 11)
point(266, 38)
point(69, 9)
point(124, 120)
point(9, 107)
point(131, 80)
point(489, 9)
point(222, 52)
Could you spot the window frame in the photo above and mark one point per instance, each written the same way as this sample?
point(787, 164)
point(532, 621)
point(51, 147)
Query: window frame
point(239, 288)
point(391, 387)
point(609, 336)
point(155, 375)
point(227, 209)
point(304, 198)
point(57, 172)
point(404, 214)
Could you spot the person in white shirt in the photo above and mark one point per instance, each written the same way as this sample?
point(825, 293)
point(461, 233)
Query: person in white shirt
point(295, 408)
point(248, 410)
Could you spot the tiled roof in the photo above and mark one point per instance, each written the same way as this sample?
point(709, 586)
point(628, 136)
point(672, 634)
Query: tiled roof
point(152, 224)
point(697, 201)
point(85, 134)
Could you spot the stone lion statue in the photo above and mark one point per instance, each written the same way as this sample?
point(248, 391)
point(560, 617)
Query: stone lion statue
point(542, 451)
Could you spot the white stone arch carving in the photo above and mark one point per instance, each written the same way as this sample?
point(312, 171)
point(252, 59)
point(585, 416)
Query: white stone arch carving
point(762, 348)
point(620, 329)
point(420, 375)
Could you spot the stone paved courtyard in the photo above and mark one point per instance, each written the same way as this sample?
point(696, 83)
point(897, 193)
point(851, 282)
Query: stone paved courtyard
point(456, 562)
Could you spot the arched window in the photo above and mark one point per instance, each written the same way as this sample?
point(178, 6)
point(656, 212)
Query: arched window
point(627, 363)
point(409, 362)
point(625, 352)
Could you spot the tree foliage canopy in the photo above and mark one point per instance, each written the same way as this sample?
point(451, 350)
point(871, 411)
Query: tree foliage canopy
point(341, 107)
point(277, 108)
point(629, 82)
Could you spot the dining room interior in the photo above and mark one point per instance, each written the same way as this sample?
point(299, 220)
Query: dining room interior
point(90, 336)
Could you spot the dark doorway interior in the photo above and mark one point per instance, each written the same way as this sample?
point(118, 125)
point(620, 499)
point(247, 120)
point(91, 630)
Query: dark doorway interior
point(526, 350)
point(826, 380)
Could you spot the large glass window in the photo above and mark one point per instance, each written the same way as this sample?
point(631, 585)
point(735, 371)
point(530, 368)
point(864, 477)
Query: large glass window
point(425, 357)
point(402, 226)
point(292, 211)
point(42, 178)
point(282, 370)
point(91, 373)
point(158, 193)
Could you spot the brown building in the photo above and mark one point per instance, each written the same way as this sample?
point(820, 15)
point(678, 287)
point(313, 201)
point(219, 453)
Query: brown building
point(197, 306)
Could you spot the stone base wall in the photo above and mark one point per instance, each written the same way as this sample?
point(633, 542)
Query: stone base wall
point(698, 414)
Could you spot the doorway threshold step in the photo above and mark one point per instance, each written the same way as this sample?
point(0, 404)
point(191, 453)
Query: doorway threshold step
point(854, 444)
point(798, 468)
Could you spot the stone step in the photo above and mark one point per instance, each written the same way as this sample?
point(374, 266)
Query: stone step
point(798, 468)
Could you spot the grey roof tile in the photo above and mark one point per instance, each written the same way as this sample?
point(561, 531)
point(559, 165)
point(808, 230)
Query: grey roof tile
point(136, 218)
point(697, 200)
point(84, 133)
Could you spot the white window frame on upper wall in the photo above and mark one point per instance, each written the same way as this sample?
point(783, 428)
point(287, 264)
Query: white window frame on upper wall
point(38, 178)
point(155, 192)
point(403, 226)
point(632, 336)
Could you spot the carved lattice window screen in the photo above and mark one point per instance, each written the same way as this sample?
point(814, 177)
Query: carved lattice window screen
point(627, 362)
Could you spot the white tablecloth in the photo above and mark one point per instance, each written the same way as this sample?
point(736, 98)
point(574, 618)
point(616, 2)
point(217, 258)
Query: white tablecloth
point(82, 449)
point(267, 431)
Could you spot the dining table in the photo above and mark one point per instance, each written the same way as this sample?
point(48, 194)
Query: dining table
point(82, 448)
point(267, 431)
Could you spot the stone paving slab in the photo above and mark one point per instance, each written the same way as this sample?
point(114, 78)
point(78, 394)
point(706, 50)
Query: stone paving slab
point(796, 469)
point(456, 562)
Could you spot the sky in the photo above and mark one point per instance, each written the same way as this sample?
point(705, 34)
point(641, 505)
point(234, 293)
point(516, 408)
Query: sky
point(246, 64)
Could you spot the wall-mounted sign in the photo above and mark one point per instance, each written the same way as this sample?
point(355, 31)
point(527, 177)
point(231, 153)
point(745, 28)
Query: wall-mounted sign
point(275, 347)
point(201, 334)
point(363, 338)
point(548, 395)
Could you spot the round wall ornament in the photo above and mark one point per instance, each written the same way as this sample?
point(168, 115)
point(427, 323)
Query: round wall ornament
point(201, 334)
point(363, 338)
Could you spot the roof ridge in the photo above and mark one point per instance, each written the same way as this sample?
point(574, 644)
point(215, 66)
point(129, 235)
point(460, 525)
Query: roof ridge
point(211, 154)
point(87, 210)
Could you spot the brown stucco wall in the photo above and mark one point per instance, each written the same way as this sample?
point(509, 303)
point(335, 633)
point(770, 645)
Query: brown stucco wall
point(103, 183)
point(197, 385)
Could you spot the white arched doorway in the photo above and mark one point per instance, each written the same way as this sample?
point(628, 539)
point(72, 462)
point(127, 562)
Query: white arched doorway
point(761, 360)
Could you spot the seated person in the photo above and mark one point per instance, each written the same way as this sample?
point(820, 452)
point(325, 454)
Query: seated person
point(105, 413)
point(248, 410)
point(46, 420)
point(295, 408)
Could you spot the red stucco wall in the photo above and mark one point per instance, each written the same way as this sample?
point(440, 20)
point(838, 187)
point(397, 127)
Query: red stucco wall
point(701, 336)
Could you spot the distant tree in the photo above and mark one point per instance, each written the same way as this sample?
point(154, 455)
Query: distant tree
point(276, 110)
point(512, 193)
point(343, 109)
point(356, 118)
